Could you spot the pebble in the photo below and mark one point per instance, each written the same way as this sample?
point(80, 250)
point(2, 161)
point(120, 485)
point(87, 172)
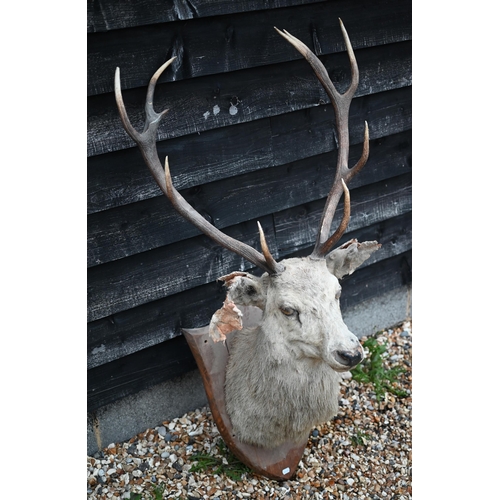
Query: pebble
point(337, 464)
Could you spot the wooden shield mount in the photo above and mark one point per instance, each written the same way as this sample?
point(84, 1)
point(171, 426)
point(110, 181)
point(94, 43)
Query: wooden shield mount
point(275, 463)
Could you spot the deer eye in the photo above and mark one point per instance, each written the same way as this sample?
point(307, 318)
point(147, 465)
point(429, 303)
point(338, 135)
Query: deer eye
point(288, 311)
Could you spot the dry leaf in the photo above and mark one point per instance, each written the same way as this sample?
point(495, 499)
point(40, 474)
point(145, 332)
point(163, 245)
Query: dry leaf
point(227, 319)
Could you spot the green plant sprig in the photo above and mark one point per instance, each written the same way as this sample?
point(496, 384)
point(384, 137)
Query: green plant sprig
point(234, 469)
point(373, 370)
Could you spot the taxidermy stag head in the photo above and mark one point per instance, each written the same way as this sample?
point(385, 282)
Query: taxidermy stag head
point(282, 377)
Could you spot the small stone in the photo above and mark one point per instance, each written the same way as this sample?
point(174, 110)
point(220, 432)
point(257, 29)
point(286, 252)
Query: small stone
point(350, 481)
point(162, 431)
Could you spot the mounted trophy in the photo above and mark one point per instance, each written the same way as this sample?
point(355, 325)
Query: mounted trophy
point(272, 357)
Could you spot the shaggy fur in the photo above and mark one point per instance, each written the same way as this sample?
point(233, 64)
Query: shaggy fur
point(263, 398)
point(282, 377)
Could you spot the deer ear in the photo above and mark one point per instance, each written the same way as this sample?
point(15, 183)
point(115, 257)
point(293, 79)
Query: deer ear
point(244, 289)
point(348, 257)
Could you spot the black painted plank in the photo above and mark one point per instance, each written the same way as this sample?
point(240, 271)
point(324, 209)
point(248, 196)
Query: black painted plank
point(369, 204)
point(148, 276)
point(128, 375)
point(121, 177)
point(227, 99)
point(106, 15)
point(228, 43)
point(373, 281)
point(126, 283)
point(144, 326)
point(130, 331)
point(142, 226)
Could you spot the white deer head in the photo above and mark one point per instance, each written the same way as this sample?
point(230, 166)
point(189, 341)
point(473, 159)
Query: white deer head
point(302, 334)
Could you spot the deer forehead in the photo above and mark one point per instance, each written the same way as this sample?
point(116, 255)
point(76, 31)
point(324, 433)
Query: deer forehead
point(304, 280)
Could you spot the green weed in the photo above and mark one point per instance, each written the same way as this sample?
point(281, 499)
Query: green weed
point(372, 370)
point(360, 438)
point(155, 494)
point(234, 469)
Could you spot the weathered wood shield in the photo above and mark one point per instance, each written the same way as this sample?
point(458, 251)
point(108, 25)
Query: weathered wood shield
point(275, 463)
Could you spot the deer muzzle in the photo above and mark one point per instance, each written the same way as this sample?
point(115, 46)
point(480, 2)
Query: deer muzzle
point(349, 359)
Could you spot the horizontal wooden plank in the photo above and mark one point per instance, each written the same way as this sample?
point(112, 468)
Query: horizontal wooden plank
point(144, 326)
point(106, 15)
point(220, 44)
point(369, 204)
point(373, 281)
point(135, 228)
point(130, 374)
point(205, 103)
point(121, 177)
point(148, 276)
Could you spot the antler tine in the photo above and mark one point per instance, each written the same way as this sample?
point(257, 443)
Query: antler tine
point(147, 144)
point(341, 104)
point(267, 254)
point(147, 139)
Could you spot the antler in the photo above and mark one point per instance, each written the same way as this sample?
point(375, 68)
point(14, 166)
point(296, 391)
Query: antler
point(341, 103)
point(147, 144)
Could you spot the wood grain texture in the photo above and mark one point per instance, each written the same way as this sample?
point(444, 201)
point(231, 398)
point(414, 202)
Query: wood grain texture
point(106, 15)
point(142, 226)
point(223, 44)
point(121, 177)
point(297, 227)
point(242, 96)
point(131, 374)
point(148, 276)
point(135, 329)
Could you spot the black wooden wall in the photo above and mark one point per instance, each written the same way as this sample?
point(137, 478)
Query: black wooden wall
point(249, 137)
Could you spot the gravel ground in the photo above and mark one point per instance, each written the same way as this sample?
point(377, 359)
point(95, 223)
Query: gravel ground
point(365, 452)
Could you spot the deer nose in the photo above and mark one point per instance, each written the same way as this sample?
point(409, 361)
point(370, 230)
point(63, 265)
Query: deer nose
point(348, 358)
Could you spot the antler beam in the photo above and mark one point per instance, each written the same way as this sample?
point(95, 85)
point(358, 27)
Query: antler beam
point(147, 145)
point(341, 104)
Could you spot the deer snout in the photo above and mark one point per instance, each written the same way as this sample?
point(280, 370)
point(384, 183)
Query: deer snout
point(349, 358)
